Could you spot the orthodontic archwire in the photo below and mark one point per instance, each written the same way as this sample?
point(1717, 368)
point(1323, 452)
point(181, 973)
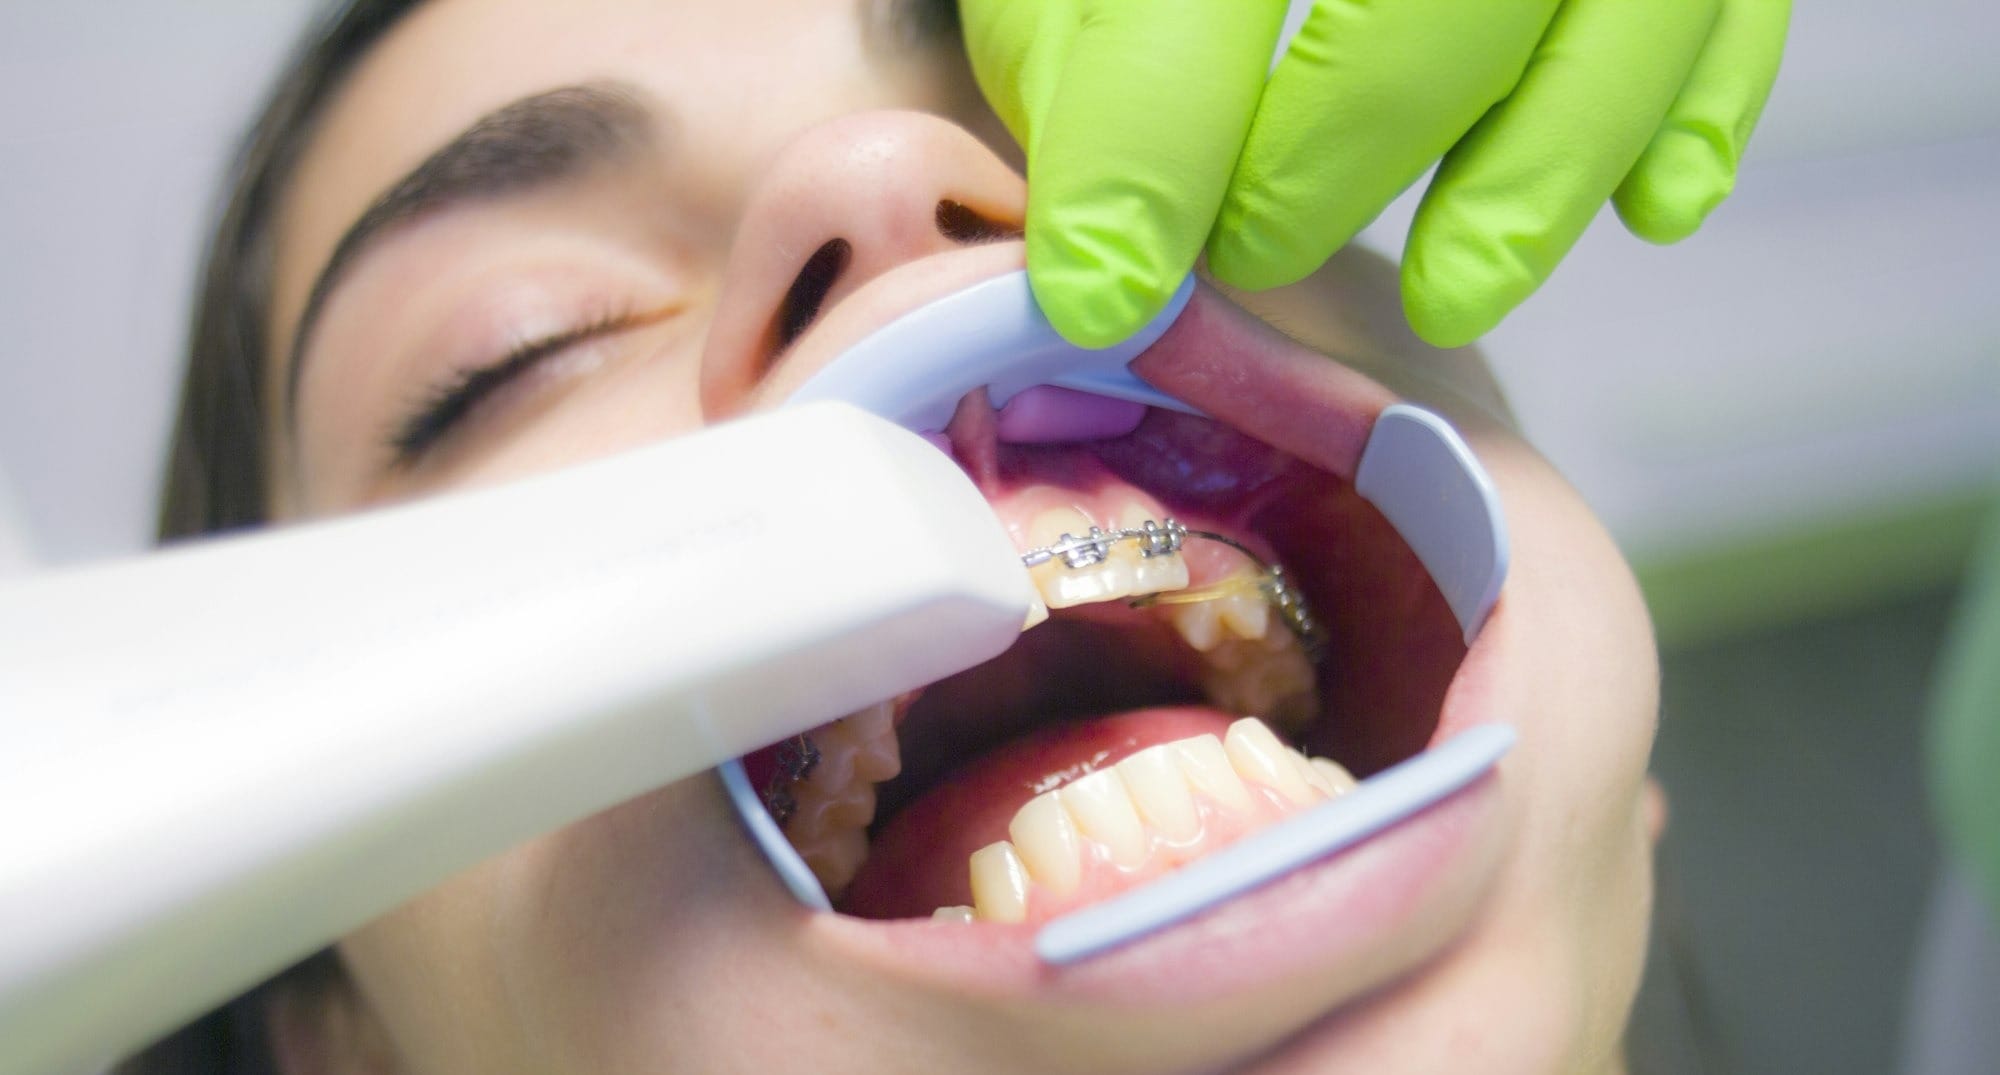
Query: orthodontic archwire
point(1166, 538)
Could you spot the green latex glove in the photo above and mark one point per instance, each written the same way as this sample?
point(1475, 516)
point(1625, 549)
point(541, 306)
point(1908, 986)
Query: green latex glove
point(1152, 132)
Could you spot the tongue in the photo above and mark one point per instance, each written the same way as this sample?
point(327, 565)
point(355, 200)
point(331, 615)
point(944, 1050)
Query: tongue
point(917, 860)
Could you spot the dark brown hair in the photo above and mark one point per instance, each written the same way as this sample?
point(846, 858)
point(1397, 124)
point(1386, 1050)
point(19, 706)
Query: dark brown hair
point(216, 461)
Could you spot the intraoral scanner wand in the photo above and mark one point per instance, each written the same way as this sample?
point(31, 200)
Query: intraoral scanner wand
point(216, 760)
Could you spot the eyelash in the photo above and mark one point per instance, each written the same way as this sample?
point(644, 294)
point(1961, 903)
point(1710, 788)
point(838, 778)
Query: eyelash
point(444, 406)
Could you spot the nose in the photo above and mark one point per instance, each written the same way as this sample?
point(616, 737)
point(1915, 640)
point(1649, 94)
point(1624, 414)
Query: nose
point(858, 217)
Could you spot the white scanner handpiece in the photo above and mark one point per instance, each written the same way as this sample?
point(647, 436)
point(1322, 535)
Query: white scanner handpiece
point(215, 760)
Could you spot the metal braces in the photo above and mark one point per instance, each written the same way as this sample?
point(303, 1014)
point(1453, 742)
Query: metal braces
point(779, 800)
point(1166, 538)
point(797, 757)
point(1154, 538)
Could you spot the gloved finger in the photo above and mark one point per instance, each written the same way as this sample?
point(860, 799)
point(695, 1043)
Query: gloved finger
point(1128, 163)
point(1367, 97)
point(1690, 165)
point(1016, 51)
point(1512, 197)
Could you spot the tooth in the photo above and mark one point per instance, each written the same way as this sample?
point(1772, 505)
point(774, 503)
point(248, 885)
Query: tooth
point(868, 739)
point(1157, 574)
point(1205, 763)
point(877, 760)
point(1045, 837)
point(835, 802)
point(836, 857)
point(1161, 793)
point(1314, 779)
point(952, 914)
point(852, 808)
point(872, 723)
point(1336, 775)
point(1257, 754)
point(999, 884)
point(1038, 612)
point(1255, 678)
point(1161, 574)
point(1246, 614)
point(1198, 624)
point(1063, 586)
point(1103, 811)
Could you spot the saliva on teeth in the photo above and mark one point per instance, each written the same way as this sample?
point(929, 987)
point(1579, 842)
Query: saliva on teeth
point(1148, 813)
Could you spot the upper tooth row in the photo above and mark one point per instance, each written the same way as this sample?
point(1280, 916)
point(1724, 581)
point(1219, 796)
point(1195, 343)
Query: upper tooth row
point(1143, 806)
point(1103, 565)
point(1141, 558)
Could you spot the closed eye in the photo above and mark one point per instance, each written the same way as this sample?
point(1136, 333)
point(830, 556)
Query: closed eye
point(447, 405)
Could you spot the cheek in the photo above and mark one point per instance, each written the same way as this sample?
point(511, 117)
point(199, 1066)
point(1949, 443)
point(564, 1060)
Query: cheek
point(578, 951)
point(431, 964)
point(632, 931)
point(1581, 632)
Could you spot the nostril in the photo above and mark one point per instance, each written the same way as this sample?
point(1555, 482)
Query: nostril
point(963, 224)
point(809, 289)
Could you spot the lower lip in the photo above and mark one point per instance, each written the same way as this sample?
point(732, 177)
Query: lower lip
point(1379, 908)
point(1352, 921)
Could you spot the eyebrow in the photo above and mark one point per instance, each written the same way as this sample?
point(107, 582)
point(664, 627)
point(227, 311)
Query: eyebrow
point(530, 144)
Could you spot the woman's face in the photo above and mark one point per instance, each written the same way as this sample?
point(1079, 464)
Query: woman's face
point(643, 182)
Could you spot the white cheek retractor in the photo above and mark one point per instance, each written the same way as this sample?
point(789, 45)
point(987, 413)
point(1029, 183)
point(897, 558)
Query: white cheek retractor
point(1415, 469)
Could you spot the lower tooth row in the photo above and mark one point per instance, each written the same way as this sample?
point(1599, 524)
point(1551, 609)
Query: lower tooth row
point(1155, 809)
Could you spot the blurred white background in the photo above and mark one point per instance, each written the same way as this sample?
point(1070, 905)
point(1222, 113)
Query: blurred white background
point(116, 118)
point(1825, 347)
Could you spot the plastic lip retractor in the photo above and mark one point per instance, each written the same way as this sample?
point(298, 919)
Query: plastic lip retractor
point(1415, 469)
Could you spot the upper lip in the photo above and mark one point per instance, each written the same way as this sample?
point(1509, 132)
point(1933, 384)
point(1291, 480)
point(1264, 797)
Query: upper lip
point(1244, 374)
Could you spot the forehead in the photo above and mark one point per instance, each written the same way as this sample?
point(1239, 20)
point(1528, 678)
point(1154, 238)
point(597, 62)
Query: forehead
point(736, 77)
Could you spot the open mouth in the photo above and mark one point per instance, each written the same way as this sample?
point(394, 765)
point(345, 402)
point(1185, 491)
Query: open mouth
point(1235, 635)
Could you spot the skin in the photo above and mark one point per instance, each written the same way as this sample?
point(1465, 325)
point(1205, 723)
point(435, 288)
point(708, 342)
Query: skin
point(653, 936)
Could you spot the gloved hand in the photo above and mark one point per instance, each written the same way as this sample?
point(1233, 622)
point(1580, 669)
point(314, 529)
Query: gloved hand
point(1151, 130)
